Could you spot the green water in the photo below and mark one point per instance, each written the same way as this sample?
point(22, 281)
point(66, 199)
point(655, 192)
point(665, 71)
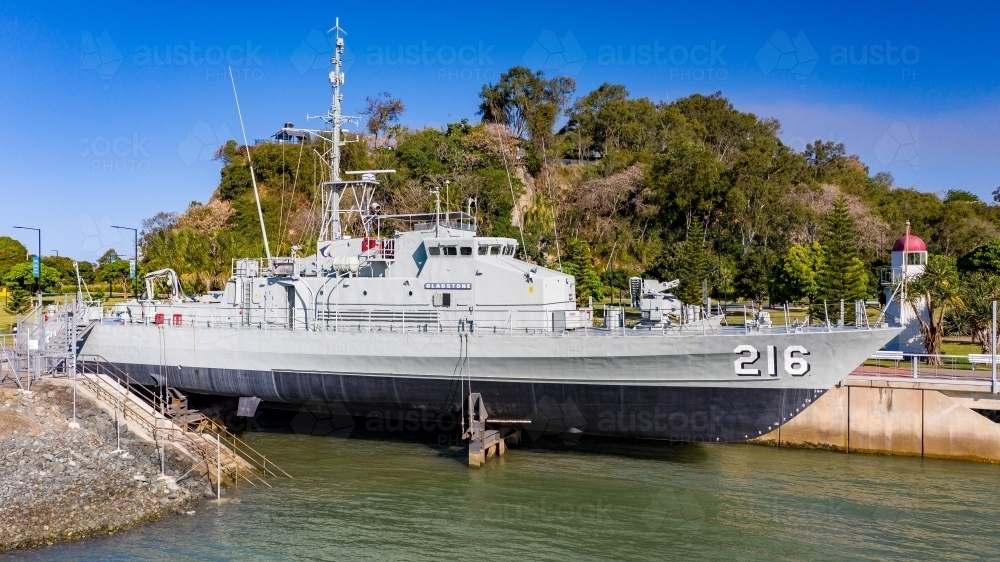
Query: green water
point(398, 499)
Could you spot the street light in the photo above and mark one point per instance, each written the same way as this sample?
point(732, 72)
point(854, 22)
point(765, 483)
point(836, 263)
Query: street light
point(135, 240)
point(41, 315)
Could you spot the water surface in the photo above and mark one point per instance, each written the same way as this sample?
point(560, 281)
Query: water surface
point(378, 498)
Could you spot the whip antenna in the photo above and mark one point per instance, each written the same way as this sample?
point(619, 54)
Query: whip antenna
point(253, 177)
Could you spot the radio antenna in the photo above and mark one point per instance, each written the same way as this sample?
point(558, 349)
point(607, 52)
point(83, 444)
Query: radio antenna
point(253, 177)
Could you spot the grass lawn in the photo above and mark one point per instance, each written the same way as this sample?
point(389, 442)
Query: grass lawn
point(960, 348)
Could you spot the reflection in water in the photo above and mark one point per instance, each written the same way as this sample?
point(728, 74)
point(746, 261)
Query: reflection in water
point(391, 498)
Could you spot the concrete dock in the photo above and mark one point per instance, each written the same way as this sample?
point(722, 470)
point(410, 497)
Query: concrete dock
point(891, 412)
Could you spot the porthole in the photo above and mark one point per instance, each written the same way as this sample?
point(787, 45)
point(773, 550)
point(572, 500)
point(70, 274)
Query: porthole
point(411, 293)
point(365, 293)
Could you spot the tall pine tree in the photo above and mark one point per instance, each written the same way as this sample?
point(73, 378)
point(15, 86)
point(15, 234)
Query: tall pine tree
point(579, 263)
point(843, 276)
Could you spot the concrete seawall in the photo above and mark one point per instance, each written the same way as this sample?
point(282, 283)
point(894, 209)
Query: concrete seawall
point(934, 419)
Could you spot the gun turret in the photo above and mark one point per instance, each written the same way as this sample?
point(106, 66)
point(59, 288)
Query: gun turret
point(639, 287)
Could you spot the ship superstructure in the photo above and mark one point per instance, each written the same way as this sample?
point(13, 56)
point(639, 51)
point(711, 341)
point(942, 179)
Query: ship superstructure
point(402, 316)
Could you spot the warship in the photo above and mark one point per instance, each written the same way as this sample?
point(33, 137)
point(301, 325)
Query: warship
point(402, 317)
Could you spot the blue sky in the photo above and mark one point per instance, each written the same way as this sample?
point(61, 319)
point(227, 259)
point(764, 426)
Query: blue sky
point(110, 111)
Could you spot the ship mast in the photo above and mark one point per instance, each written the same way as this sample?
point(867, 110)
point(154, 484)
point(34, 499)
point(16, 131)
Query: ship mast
point(332, 191)
point(335, 116)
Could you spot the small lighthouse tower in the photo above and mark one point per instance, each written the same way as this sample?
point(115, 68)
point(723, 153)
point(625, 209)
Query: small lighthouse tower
point(909, 258)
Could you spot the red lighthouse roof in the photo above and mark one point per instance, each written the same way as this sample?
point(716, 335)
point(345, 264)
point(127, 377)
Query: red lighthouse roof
point(909, 242)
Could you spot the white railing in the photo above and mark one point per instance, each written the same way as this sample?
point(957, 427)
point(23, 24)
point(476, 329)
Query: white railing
point(925, 366)
point(439, 320)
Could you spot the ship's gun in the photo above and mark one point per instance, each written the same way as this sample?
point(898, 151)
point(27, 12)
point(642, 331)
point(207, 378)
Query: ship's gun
point(638, 287)
point(654, 299)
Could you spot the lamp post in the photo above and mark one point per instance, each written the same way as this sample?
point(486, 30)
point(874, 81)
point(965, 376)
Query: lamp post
point(135, 241)
point(41, 315)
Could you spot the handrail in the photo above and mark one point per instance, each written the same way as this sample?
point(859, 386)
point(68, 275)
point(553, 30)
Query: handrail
point(130, 410)
point(256, 458)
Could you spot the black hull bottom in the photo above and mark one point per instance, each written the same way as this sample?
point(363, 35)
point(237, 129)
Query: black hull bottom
point(705, 414)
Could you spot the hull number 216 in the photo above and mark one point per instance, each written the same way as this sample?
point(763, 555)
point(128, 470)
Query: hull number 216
point(794, 363)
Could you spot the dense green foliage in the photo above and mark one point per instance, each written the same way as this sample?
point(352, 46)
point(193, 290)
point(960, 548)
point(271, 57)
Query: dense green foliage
point(19, 279)
point(11, 252)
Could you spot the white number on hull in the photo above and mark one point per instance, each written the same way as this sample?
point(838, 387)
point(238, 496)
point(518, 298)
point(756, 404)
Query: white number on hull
point(795, 363)
point(749, 359)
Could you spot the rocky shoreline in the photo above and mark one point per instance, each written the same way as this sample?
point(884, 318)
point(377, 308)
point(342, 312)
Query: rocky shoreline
point(59, 483)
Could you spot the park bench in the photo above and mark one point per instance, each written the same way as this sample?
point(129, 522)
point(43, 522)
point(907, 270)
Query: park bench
point(979, 359)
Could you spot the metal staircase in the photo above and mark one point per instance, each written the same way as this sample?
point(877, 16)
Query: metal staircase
point(164, 420)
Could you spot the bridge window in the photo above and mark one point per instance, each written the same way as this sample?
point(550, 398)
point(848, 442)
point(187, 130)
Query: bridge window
point(466, 250)
point(508, 250)
point(483, 249)
point(451, 250)
point(434, 251)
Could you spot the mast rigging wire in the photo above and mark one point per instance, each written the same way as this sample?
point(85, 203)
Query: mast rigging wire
point(253, 177)
point(513, 200)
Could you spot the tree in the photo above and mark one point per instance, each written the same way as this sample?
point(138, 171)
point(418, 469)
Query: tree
point(978, 291)
point(21, 276)
point(797, 273)
point(752, 273)
point(985, 258)
point(64, 265)
point(116, 272)
point(938, 289)
point(688, 184)
point(11, 252)
point(583, 118)
point(960, 196)
point(843, 275)
point(107, 257)
point(580, 264)
point(18, 302)
point(526, 102)
point(382, 110)
point(693, 263)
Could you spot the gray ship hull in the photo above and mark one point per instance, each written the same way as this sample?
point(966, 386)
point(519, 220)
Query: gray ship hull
point(626, 383)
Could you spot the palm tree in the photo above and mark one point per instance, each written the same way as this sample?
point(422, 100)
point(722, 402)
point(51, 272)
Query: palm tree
point(979, 290)
point(938, 289)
